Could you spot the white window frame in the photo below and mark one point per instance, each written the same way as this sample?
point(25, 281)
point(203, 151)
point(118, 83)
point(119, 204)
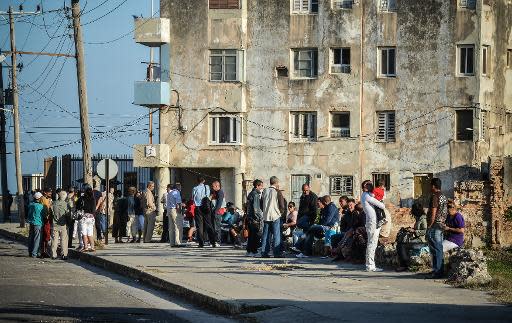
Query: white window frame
point(297, 130)
point(340, 68)
point(304, 7)
point(239, 64)
point(341, 185)
point(380, 62)
point(342, 4)
point(486, 61)
point(460, 48)
point(467, 4)
point(213, 128)
point(338, 132)
point(387, 5)
point(386, 126)
point(314, 62)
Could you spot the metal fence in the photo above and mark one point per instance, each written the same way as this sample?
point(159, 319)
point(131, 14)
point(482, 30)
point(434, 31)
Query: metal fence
point(67, 170)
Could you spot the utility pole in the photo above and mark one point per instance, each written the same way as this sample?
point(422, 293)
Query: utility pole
point(16, 119)
point(82, 92)
point(3, 149)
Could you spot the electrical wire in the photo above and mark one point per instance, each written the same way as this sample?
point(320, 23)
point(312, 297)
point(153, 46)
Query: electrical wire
point(106, 14)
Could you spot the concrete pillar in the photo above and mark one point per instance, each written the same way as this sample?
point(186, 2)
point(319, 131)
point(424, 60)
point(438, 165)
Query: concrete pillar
point(238, 179)
point(162, 179)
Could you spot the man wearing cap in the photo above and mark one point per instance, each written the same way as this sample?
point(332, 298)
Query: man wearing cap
point(35, 220)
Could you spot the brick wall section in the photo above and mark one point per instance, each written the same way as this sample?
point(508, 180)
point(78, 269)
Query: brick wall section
point(483, 205)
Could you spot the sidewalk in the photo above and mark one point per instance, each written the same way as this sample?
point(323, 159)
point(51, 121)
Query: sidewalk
point(298, 290)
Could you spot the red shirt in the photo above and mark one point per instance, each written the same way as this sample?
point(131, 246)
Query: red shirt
point(378, 193)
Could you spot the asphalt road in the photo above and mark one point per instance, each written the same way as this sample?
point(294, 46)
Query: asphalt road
point(63, 291)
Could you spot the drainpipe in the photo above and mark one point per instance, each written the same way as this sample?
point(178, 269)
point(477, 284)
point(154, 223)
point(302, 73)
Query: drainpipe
point(361, 93)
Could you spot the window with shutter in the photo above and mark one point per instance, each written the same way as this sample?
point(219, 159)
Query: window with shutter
point(303, 126)
point(304, 6)
point(224, 4)
point(386, 131)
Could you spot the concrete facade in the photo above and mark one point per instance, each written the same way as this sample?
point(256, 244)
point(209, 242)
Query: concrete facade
point(424, 95)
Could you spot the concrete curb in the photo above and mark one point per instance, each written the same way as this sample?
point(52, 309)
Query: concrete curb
point(194, 297)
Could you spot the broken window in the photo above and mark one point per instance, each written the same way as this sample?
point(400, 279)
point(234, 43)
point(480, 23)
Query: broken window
point(305, 63)
point(464, 125)
point(225, 129)
point(387, 61)
point(343, 4)
point(383, 178)
point(340, 60)
point(224, 4)
point(388, 5)
point(303, 125)
point(340, 126)
point(466, 60)
point(341, 185)
point(386, 126)
point(486, 60)
point(305, 6)
point(467, 4)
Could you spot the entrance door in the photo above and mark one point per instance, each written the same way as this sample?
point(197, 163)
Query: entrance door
point(296, 187)
point(422, 188)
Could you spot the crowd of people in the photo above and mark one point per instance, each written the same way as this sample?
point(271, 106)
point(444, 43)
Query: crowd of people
point(267, 226)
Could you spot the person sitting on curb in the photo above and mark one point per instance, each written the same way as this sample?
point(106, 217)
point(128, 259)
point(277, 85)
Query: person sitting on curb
point(454, 228)
point(329, 216)
point(409, 238)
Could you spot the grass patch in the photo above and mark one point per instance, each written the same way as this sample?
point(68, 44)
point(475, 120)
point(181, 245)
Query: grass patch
point(499, 264)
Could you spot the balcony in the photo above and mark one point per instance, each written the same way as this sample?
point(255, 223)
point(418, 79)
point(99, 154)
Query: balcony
point(152, 93)
point(152, 32)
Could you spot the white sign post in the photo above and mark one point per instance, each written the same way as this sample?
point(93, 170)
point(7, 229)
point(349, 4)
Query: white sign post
point(107, 169)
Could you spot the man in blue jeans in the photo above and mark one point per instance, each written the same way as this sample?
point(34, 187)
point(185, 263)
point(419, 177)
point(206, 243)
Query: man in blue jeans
point(273, 207)
point(436, 217)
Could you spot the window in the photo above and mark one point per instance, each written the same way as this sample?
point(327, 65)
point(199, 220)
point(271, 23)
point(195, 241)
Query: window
point(340, 60)
point(224, 4)
point(340, 124)
point(384, 177)
point(297, 182)
point(387, 61)
point(303, 125)
point(486, 52)
point(388, 5)
point(305, 63)
point(343, 4)
point(341, 185)
point(422, 188)
point(225, 129)
point(467, 4)
point(509, 58)
point(226, 65)
point(386, 126)
point(305, 6)
point(466, 60)
point(464, 125)
point(508, 121)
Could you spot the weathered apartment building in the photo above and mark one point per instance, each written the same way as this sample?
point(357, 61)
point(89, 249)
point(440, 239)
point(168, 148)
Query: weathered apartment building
point(330, 92)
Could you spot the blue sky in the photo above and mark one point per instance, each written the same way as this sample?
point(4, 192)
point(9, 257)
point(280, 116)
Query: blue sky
point(111, 70)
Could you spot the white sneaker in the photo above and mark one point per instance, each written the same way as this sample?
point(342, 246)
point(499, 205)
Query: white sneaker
point(301, 255)
point(376, 270)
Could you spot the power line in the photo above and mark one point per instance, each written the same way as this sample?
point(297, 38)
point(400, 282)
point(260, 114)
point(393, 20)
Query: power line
point(106, 14)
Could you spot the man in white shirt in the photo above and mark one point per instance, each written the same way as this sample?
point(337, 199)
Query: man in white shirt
point(174, 205)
